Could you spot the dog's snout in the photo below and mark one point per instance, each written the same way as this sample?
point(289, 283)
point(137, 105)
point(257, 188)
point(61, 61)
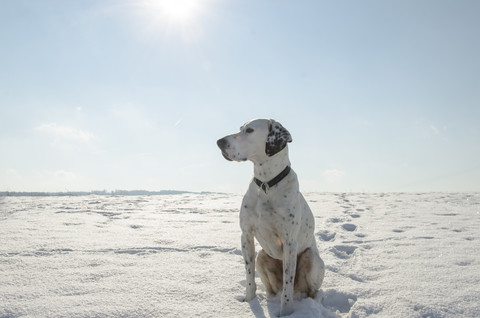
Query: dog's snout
point(221, 143)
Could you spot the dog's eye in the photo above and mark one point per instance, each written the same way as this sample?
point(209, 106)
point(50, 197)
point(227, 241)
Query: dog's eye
point(249, 130)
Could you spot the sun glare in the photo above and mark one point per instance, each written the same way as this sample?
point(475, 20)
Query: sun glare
point(175, 11)
point(179, 10)
point(182, 18)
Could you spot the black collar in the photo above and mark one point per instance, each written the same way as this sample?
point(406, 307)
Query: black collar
point(267, 185)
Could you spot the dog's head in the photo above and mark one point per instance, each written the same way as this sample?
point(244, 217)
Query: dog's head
point(257, 138)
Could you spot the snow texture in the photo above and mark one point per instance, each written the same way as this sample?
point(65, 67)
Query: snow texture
point(386, 255)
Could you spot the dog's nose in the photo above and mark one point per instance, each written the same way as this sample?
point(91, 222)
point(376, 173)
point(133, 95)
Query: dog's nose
point(221, 143)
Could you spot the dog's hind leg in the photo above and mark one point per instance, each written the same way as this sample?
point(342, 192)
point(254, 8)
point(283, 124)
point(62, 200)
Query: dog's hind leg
point(270, 271)
point(310, 273)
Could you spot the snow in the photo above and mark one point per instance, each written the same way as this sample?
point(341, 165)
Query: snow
point(386, 255)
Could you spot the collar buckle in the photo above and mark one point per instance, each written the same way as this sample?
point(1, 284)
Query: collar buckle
point(265, 186)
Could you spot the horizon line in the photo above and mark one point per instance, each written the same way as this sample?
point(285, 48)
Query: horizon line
point(177, 192)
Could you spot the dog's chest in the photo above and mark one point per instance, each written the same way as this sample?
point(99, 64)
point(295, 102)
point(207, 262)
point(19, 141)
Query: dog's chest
point(270, 228)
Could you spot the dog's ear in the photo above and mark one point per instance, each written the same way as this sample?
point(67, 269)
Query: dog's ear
point(277, 139)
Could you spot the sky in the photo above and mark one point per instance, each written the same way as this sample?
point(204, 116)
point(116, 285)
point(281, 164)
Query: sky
point(378, 96)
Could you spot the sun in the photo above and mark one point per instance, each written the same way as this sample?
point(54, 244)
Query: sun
point(181, 12)
point(176, 18)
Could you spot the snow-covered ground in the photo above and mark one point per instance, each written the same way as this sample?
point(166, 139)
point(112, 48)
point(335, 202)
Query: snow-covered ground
point(387, 255)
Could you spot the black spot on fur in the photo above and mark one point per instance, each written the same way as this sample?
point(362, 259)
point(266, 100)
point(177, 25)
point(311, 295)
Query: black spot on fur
point(277, 138)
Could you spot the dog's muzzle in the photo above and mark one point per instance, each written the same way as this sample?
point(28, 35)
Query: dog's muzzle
point(222, 144)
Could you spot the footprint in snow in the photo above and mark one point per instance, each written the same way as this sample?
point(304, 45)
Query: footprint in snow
point(335, 220)
point(326, 235)
point(356, 278)
point(336, 300)
point(463, 263)
point(349, 227)
point(343, 251)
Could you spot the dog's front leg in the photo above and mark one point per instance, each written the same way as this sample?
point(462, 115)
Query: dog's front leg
point(248, 251)
point(289, 269)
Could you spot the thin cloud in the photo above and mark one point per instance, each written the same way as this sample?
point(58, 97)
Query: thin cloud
point(434, 129)
point(67, 133)
point(12, 173)
point(64, 175)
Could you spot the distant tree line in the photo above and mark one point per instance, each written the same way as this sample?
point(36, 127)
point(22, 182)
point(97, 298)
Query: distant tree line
point(80, 193)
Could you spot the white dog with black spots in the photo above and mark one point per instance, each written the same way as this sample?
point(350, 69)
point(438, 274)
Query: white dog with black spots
point(275, 213)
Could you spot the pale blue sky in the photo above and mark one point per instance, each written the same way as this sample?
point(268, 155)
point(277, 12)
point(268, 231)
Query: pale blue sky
point(378, 95)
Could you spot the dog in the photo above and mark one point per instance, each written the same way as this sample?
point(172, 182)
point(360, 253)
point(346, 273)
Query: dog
point(275, 213)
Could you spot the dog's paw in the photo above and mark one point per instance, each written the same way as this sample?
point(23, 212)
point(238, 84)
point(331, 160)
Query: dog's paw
point(251, 292)
point(286, 310)
point(249, 299)
point(250, 296)
point(244, 299)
